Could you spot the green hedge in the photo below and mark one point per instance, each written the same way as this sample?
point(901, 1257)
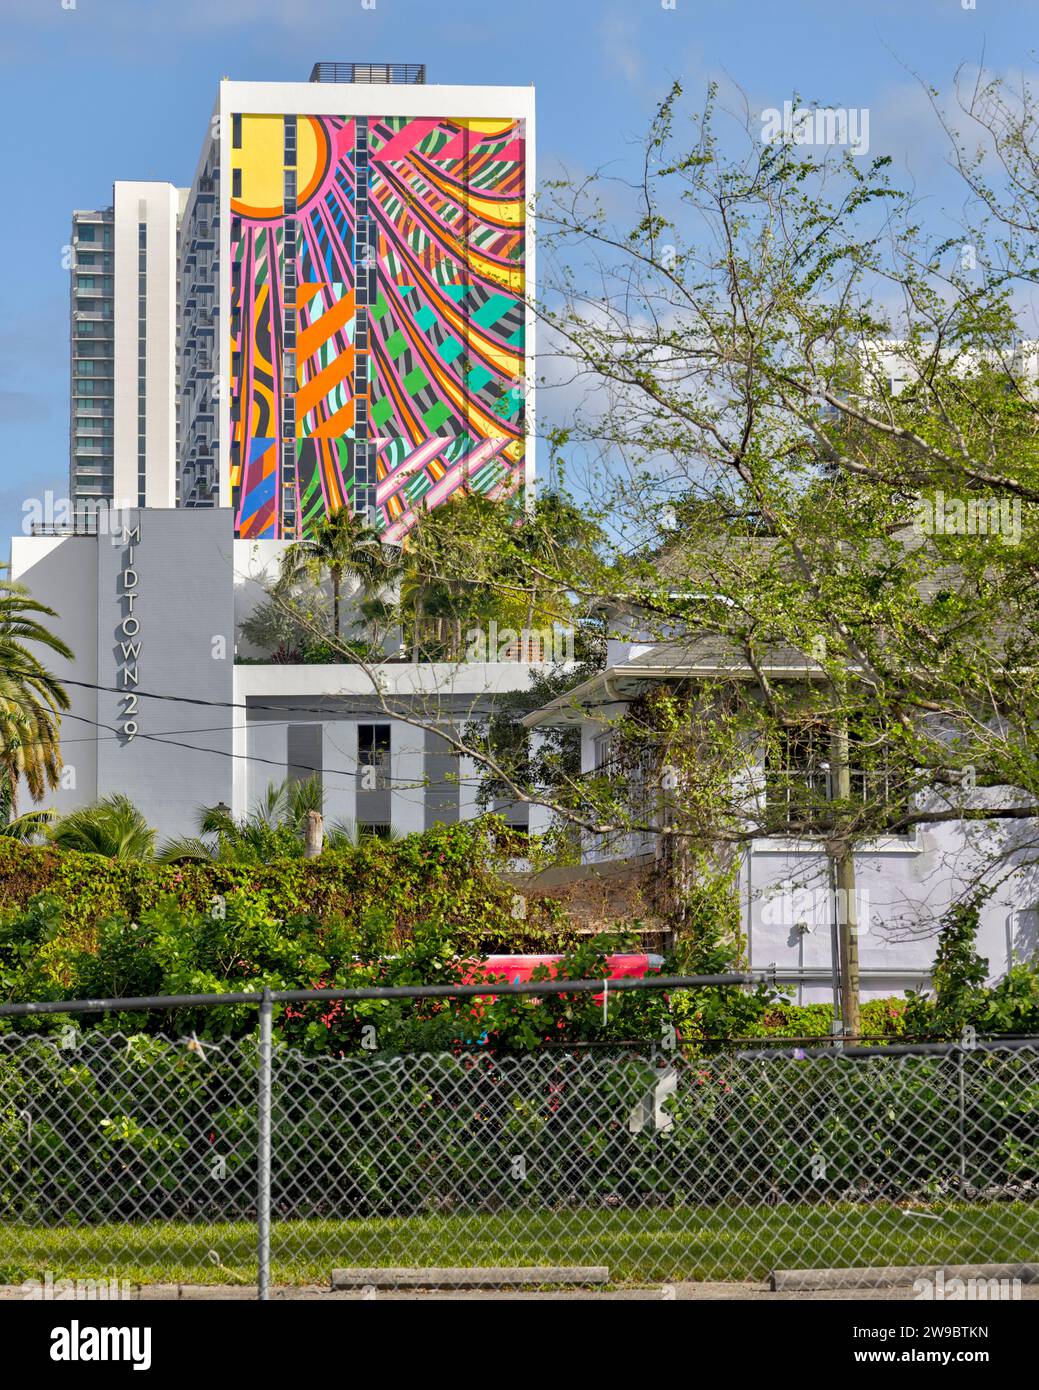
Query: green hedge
point(450, 874)
point(881, 1018)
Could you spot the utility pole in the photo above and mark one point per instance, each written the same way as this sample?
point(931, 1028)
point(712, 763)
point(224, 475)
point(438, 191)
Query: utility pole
point(845, 898)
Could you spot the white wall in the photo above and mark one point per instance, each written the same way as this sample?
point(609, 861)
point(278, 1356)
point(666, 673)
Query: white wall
point(408, 770)
point(266, 746)
point(903, 888)
point(256, 566)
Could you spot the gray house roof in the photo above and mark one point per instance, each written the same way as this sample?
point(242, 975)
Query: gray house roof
point(705, 656)
point(695, 572)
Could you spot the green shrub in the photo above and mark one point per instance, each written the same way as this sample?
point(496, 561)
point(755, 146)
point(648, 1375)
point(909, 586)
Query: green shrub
point(881, 1018)
point(960, 998)
point(452, 871)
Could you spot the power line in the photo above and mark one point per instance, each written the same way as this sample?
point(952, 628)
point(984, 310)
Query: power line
point(380, 712)
point(163, 738)
point(376, 715)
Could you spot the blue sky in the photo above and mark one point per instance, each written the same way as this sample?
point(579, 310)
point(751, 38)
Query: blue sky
point(94, 90)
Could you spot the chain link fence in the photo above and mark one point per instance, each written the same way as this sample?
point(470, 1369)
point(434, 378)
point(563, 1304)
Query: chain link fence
point(144, 1159)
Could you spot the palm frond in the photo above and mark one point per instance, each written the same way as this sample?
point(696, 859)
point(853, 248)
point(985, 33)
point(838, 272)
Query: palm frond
point(185, 849)
point(29, 826)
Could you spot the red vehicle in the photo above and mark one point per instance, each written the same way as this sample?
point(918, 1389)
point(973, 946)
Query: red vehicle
point(518, 969)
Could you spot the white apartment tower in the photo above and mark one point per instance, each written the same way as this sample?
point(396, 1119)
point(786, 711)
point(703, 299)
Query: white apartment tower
point(124, 350)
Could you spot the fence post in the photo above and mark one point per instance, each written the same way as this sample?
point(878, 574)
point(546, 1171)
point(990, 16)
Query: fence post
point(962, 1137)
point(263, 1156)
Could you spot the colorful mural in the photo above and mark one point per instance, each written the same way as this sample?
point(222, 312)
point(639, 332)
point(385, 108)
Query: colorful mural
point(377, 317)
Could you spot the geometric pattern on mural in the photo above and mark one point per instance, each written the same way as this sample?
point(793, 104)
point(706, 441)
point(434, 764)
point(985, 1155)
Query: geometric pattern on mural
point(377, 331)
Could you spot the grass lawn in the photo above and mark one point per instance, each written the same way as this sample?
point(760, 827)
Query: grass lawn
point(651, 1245)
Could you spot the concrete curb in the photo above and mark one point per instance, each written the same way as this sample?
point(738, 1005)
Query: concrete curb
point(474, 1278)
point(892, 1276)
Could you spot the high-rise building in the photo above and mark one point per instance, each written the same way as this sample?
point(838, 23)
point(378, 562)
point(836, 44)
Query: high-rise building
point(354, 276)
point(335, 313)
point(124, 336)
point(91, 317)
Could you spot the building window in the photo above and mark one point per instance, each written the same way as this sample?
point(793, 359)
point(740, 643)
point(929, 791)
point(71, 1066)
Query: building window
point(373, 751)
point(303, 748)
point(362, 465)
point(236, 131)
point(798, 775)
point(605, 761)
point(364, 505)
point(236, 183)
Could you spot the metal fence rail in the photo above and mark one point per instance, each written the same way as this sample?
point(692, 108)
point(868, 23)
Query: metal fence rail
point(146, 1159)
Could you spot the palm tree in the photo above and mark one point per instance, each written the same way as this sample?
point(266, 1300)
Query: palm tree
point(112, 827)
point(31, 697)
point(451, 560)
point(27, 827)
point(556, 524)
point(274, 829)
point(342, 546)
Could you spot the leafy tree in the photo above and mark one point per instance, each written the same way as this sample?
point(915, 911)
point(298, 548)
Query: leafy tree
point(782, 379)
point(764, 429)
